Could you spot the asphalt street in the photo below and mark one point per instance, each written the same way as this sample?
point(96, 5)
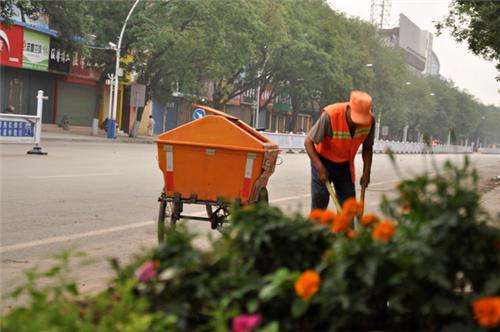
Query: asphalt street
point(101, 198)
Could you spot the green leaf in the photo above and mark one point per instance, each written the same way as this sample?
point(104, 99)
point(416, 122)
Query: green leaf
point(299, 307)
point(271, 327)
point(252, 306)
point(269, 291)
point(71, 287)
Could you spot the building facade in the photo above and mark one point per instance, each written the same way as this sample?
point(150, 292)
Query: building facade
point(32, 60)
point(416, 44)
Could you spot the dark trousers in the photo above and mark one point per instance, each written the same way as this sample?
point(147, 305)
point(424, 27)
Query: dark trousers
point(340, 175)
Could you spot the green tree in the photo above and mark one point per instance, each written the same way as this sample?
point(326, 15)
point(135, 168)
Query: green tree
point(477, 22)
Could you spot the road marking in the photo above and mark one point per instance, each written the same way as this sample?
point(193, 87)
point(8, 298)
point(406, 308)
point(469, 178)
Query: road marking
point(283, 199)
point(71, 175)
point(77, 236)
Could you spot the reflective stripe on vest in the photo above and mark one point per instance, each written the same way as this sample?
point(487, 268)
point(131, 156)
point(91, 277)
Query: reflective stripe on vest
point(341, 135)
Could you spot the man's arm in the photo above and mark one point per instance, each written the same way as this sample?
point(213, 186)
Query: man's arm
point(367, 154)
point(316, 162)
point(316, 135)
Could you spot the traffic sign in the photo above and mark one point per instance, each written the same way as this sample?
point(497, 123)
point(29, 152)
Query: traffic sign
point(198, 113)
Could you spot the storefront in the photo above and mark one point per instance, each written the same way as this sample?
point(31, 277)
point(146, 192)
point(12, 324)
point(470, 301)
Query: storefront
point(24, 70)
point(77, 92)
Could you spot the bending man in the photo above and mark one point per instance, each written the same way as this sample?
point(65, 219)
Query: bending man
point(332, 144)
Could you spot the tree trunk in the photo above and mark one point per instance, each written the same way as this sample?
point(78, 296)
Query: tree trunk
point(296, 107)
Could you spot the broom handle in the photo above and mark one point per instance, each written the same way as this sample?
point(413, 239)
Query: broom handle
point(363, 190)
point(333, 196)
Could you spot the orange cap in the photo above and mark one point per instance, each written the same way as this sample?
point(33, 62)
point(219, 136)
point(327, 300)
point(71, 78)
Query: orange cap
point(361, 105)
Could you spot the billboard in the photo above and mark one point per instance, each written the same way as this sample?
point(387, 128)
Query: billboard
point(36, 50)
point(416, 42)
point(11, 45)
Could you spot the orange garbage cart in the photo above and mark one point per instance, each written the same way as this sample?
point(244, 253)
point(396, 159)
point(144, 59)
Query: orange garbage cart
point(216, 161)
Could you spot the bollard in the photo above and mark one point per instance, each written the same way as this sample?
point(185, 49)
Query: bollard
point(37, 149)
point(111, 128)
point(95, 127)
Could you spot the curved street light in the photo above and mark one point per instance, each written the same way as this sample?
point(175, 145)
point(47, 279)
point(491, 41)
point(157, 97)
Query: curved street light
point(112, 121)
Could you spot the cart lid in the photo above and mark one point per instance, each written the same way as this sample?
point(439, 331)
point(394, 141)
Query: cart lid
point(219, 130)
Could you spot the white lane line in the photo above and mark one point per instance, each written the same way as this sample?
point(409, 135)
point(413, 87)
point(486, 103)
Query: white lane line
point(283, 199)
point(77, 236)
point(64, 238)
point(71, 175)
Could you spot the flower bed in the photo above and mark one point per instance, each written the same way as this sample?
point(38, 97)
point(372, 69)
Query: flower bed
point(431, 264)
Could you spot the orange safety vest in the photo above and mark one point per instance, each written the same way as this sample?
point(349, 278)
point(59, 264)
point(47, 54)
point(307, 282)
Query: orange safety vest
point(341, 147)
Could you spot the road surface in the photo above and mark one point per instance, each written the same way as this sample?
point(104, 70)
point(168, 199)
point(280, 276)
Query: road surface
point(101, 198)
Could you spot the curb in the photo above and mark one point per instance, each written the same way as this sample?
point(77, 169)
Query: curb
point(99, 140)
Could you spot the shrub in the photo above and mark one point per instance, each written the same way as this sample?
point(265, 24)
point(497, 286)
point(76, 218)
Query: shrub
point(431, 265)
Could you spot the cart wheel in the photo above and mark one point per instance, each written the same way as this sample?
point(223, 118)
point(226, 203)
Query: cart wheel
point(161, 220)
point(175, 212)
point(166, 213)
point(218, 217)
point(263, 196)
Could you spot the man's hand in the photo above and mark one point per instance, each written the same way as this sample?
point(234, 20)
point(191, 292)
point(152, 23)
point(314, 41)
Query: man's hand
point(316, 161)
point(365, 180)
point(322, 173)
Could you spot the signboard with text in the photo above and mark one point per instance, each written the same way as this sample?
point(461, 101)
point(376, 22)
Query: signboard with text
point(59, 59)
point(80, 70)
point(11, 45)
point(36, 51)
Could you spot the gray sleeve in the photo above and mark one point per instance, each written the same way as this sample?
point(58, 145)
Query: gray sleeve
point(321, 128)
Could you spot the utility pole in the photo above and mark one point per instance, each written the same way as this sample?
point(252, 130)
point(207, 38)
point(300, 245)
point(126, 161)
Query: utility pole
point(380, 13)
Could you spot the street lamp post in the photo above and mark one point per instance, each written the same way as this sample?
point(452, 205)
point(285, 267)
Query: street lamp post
point(257, 106)
point(112, 120)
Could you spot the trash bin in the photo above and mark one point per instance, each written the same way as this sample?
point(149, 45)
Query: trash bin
point(215, 158)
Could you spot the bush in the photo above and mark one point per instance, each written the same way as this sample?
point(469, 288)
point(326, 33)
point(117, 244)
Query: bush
point(432, 266)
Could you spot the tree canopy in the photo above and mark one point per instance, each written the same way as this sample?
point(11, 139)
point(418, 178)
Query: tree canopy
point(303, 50)
point(476, 22)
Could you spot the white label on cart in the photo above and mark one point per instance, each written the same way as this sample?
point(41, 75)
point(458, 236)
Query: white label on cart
point(249, 165)
point(170, 158)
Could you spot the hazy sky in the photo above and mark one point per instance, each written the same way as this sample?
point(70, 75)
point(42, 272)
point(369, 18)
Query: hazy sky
point(468, 71)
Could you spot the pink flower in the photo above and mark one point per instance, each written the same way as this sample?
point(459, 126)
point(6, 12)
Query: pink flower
point(246, 323)
point(146, 271)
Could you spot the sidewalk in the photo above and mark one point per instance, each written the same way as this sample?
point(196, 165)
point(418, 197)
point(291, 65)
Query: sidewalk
point(72, 137)
point(491, 203)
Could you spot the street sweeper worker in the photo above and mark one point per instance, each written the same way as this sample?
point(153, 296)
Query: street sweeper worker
point(332, 144)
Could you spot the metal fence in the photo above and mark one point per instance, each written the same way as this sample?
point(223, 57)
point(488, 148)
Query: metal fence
point(295, 143)
point(489, 150)
point(20, 128)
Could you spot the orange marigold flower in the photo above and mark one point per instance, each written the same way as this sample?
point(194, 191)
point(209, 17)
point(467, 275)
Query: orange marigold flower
point(369, 219)
point(316, 215)
point(352, 207)
point(384, 231)
point(307, 284)
point(352, 234)
point(341, 223)
point(327, 217)
point(487, 311)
